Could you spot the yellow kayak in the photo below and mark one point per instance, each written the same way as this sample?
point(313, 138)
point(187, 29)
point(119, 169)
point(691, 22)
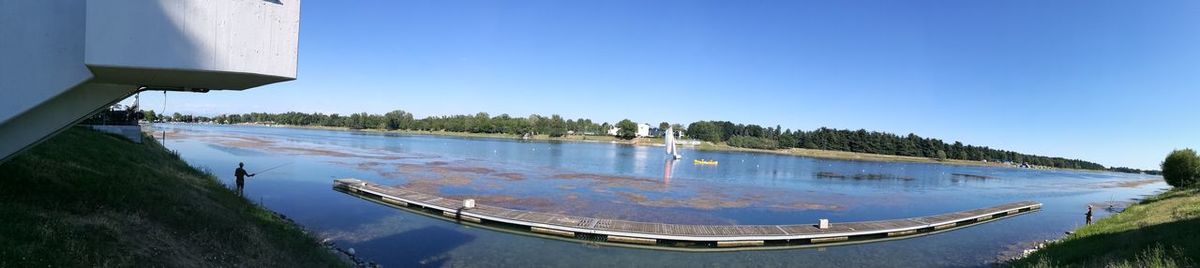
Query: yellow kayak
point(704, 162)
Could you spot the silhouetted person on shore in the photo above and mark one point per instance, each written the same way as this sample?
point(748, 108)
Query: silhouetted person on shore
point(1089, 214)
point(241, 175)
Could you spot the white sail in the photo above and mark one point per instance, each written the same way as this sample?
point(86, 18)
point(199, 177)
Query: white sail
point(669, 141)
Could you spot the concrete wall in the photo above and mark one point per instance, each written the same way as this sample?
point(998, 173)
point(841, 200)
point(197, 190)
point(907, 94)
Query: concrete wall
point(190, 43)
point(62, 60)
point(132, 133)
point(57, 114)
point(42, 52)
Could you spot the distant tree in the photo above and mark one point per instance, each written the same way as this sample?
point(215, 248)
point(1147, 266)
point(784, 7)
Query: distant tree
point(664, 126)
point(809, 144)
point(535, 124)
point(149, 115)
point(627, 129)
point(787, 139)
point(941, 155)
point(705, 131)
point(753, 142)
point(1134, 170)
point(556, 127)
point(355, 121)
point(1181, 168)
point(395, 120)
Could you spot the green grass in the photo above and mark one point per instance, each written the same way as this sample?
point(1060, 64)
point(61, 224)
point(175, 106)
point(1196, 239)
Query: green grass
point(1163, 231)
point(89, 199)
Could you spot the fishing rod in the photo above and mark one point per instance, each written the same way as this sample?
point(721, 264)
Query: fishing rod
point(272, 168)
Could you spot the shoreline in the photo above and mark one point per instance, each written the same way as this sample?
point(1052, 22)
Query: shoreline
point(703, 146)
point(1153, 232)
point(73, 205)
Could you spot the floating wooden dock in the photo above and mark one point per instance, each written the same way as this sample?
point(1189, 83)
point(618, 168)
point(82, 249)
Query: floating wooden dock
point(675, 236)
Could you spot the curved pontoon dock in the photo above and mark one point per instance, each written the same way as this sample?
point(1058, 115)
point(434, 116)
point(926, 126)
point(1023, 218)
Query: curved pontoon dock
point(676, 236)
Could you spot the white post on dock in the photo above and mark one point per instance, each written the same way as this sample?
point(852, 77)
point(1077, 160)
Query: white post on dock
point(468, 203)
point(823, 224)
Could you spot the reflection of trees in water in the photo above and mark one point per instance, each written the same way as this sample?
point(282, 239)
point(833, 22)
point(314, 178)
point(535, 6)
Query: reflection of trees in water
point(425, 246)
point(862, 176)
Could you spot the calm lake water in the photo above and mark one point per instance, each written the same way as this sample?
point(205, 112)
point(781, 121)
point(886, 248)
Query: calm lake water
point(635, 183)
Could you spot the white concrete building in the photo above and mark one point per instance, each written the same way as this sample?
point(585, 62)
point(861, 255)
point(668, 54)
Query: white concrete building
point(62, 60)
point(643, 130)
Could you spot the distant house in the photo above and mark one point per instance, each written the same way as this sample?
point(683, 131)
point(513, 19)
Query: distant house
point(657, 132)
point(643, 130)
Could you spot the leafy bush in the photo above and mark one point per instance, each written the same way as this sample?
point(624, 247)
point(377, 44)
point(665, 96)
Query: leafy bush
point(704, 131)
point(753, 142)
point(1181, 168)
point(627, 129)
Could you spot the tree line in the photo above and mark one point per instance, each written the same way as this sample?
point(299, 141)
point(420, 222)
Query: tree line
point(863, 141)
point(553, 125)
point(1134, 170)
point(738, 135)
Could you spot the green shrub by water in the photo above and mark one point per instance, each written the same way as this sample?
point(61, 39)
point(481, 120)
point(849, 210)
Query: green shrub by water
point(1181, 168)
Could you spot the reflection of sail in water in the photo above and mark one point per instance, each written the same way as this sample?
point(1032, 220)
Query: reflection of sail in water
point(667, 171)
point(669, 140)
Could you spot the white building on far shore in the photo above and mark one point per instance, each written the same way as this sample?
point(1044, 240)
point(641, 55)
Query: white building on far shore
point(643, 130)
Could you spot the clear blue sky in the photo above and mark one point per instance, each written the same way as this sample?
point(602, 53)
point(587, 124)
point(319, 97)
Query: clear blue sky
point(1116, 82)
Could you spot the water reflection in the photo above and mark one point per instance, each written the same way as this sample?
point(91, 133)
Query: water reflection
point(668, 165)
point(412, 248)
point(625, 182)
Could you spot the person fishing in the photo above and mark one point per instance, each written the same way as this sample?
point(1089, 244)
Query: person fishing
point(241, 175)
point(1089, 214)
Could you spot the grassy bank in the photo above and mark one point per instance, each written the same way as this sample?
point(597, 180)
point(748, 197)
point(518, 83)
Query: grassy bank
point(88, 199)
point(1163, 231)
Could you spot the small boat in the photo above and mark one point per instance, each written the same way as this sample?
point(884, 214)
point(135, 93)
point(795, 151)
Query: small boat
point(704, 162)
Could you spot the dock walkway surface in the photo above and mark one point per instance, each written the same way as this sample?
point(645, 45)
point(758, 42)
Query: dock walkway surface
point(688, 236)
